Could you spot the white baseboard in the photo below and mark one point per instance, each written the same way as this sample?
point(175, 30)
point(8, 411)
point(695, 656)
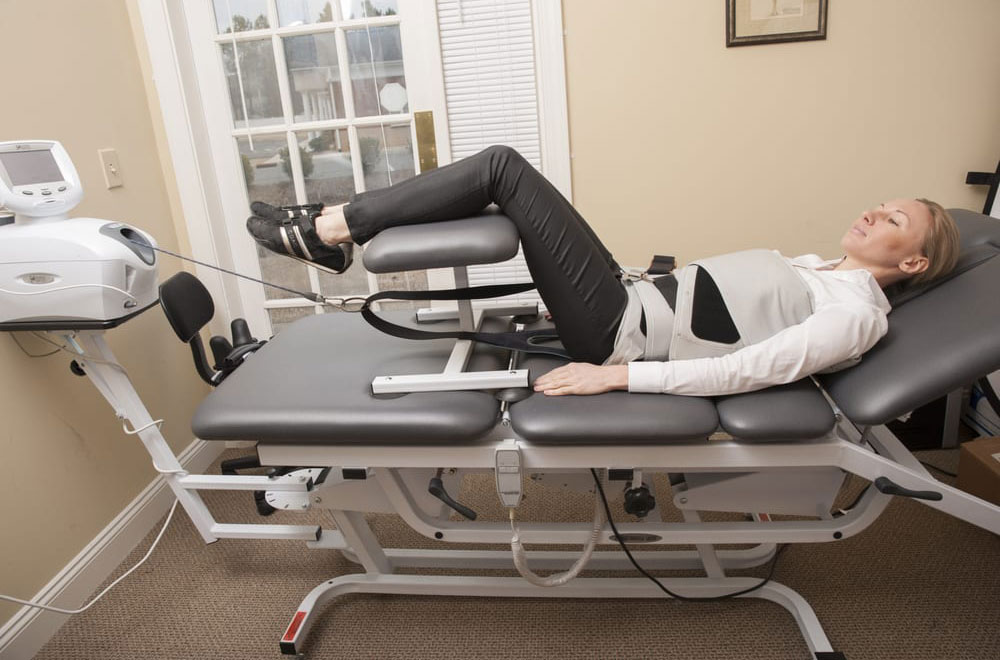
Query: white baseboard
point(27, 631)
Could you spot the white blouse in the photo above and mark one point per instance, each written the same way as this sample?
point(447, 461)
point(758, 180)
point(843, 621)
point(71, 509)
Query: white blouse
point(849, 317)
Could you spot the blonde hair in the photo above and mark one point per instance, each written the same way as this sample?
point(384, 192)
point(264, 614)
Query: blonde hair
point(941, 244)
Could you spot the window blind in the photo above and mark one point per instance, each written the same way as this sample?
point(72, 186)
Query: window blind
point(488, 57)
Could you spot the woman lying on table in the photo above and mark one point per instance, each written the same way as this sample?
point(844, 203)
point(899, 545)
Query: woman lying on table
point(724, 325)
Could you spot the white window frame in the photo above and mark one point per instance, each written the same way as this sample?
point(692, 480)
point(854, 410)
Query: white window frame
point(192, 145)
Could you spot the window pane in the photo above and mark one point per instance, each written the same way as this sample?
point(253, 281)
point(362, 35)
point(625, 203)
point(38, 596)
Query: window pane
point(302, 12)
point(376, 66)
point(382, 164)
point(283, 271)
point(247, 15)
point(314, 77)
point(266, 170)
point(326, 165)
point(260, 82)
point(282, 317)
point(368, 8)
point(352, 282)
point(268, 177)
point(414, 280)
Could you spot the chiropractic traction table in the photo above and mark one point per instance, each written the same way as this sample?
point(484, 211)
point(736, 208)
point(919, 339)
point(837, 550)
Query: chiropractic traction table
point(308, 399)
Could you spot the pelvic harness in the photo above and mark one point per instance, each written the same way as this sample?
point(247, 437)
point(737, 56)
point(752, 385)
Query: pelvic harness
point(758, 292)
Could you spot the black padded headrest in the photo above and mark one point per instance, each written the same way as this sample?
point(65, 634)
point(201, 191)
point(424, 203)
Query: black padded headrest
point(187, 304)
point(969, 258)
point(938, 341)
point(978, 241)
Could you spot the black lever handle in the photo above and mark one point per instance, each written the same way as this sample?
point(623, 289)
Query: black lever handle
point(241, 333)
point(889, 487)
point(986, 179)
point(220, 349)
point(436, 488)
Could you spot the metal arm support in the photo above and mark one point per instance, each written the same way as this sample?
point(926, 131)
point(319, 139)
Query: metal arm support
point(112, 382)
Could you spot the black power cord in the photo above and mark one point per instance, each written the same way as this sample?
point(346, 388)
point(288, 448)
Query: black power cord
point(843, 511)
point(645, 573)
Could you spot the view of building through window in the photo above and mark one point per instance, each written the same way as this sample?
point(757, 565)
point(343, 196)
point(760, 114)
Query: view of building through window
point(319, 104)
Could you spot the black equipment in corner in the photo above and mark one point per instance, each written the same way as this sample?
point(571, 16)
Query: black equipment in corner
point(986, 179)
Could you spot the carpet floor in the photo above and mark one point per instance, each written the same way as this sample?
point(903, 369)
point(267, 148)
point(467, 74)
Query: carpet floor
point(917, 584)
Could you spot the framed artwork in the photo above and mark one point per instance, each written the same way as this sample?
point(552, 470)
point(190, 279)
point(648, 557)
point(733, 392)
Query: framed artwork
point(750, 22)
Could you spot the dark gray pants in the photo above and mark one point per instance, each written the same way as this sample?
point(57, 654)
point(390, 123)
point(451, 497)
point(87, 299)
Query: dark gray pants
point(575, 274)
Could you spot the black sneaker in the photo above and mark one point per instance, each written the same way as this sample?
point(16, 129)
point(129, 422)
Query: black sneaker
point(291, 231)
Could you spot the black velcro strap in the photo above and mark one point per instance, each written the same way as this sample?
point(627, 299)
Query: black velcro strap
point(528, 341)
point(667, 286)
point(302, 209)
point(287, 228)
point(661, 265)
point(467, 293)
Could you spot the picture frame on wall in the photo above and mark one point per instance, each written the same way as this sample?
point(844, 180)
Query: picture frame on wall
point(751, 22)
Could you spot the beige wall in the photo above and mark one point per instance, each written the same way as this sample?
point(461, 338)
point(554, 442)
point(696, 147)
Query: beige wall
point(683, 146)
point(74, 76)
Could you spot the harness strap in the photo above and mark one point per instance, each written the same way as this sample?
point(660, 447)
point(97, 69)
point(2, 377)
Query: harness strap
point(659, 320)
point(528, 341)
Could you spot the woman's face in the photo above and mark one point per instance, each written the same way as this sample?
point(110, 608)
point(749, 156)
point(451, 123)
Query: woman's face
point(889, 236)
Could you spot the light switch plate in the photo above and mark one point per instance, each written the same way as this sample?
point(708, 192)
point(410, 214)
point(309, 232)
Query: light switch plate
point(110, 166)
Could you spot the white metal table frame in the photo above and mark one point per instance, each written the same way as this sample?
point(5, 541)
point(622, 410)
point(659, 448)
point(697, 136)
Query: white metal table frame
point(396, 470)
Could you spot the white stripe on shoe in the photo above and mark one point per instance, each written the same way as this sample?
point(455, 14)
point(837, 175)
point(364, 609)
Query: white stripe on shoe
point(284, 239)
point(302, 243)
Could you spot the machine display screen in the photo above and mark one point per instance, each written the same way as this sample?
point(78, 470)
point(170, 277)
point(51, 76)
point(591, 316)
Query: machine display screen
point(30, 167)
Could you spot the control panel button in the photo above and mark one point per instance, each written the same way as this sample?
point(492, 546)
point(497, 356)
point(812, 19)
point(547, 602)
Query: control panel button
point(62, 188)
point(46, 192)
point(27, 192)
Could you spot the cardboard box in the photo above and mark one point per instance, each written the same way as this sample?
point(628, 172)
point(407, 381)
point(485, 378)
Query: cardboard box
point(979, 468)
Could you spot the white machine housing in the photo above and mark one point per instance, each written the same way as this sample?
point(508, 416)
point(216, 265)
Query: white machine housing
point(56, 269)
point(83, 269)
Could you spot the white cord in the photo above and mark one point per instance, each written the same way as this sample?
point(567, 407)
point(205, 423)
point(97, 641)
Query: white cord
point(157, 423)
point(71, 286)
point(86, 607)
point(180, 471)
point(82, 355)
point(17, 341)
point(88, 358)
point(556, 579)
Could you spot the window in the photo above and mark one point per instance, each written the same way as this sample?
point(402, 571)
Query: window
point(291, 101)
point(320, 110)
